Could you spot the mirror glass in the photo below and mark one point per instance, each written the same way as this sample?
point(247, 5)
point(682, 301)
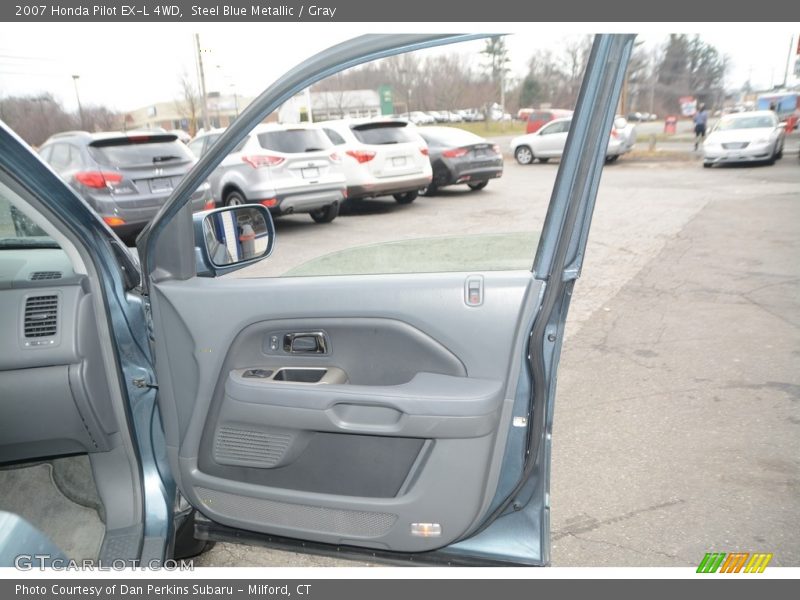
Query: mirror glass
point(235, 235)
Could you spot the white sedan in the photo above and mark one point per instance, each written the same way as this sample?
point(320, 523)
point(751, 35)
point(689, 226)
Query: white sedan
point(549, 142)
point(745, 137)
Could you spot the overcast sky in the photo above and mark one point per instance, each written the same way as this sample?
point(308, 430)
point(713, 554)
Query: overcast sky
point(126, 66)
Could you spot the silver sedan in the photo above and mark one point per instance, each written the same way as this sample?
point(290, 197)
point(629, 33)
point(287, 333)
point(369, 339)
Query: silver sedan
point(755, 136)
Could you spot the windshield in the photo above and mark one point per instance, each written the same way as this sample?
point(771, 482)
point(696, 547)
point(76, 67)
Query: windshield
point(294, 141)
point(135, 151)
point(754, 122)
point(383, 133)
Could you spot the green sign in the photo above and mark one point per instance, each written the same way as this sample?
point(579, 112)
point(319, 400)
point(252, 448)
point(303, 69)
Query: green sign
point(387, 99)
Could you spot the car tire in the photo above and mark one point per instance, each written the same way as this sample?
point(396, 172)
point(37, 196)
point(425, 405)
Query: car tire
point(544, 160)
point(706, 165)
point(779, 153)
point(235, 198)
point(406, 198)
point(325, 214)
point(477, 186)
point(429, 190)
point(611, 159)
point(524, 155)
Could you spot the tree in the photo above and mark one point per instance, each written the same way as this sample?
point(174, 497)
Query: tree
point(36, 118)
point(690, 67)
point(530, 93)
point(496, 54)
point(188, 104)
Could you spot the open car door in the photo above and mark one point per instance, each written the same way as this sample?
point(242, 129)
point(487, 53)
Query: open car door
point(390, 414)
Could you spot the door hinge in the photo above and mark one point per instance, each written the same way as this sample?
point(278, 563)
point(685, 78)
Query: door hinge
point(141, 382)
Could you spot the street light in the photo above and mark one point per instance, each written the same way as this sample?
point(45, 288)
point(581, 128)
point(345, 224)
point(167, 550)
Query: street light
point(78, 98)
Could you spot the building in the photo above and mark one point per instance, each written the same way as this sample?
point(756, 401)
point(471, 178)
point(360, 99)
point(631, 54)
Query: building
point(331, 105)
point(178, 114)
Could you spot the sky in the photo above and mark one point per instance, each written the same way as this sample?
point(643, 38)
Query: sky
point(127, 66)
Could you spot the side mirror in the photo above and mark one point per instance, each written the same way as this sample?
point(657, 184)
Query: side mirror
point(782, 125)
point(230, 238)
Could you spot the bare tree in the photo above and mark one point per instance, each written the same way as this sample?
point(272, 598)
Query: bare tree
point(188, 104)
point(36, 118)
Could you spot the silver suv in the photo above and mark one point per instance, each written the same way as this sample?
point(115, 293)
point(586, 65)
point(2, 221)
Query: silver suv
point(287, 168)
point(124, 176)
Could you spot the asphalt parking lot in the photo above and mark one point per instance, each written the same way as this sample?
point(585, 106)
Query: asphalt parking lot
point(678, 410)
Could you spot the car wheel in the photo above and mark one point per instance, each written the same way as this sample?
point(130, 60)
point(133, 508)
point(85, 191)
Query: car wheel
point(611, 159)
point(524, 155)
point(779, 153)
point(429, 190)
point(544, 160)
point(325, 214)
point(706, 165)
point(406, 198)
point(478, 186)
point(235, 198)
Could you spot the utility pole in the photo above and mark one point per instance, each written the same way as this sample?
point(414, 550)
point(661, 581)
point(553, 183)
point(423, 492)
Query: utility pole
point(788, 60)
point(202, 75)
point(309, 111)
point(78, 98)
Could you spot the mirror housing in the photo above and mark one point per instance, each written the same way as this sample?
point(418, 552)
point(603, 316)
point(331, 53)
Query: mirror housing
point(231, 238)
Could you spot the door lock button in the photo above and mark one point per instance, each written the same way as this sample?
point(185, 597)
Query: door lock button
point(473, 290)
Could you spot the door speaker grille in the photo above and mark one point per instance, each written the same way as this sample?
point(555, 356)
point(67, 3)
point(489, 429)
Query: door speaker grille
point(269, 513)
point(234, 446)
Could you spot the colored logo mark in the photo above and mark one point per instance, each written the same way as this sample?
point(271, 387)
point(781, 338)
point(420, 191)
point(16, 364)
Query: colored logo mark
point(734, 562)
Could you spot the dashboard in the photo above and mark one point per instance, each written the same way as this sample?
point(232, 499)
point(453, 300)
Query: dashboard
point(53, 389)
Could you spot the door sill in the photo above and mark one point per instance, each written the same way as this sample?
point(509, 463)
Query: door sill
point(205, 529)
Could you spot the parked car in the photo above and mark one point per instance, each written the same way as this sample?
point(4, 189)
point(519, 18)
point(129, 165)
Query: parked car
point(459, 157)
point(755, 136)
point(626, 132)
point(549, 142)
point(125, 176)
point(380, 157)
point(539, 118)
point(287, 168)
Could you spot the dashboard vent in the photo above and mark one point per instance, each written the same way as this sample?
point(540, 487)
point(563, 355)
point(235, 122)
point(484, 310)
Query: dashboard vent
point(43, 275)
point(41, 316)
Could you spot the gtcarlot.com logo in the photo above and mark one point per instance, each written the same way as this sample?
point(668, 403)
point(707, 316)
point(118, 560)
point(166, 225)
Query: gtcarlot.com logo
point(29, 562)
point(734, 562)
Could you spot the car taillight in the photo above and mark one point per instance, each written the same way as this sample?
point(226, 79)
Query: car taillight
point(455, 152)
point(361, 156)
point(98, 179)
point(210, 204)
point(263, 160)
point(114, 221)
point(335, 157)
point(270, 202)
point(423, 151)
point(496, 148)
point(614, 134)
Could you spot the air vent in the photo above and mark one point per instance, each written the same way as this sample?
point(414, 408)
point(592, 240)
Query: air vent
point(43, 275)
point(41, 316)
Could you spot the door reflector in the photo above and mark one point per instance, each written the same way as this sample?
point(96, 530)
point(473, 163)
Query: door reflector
point(426, 529)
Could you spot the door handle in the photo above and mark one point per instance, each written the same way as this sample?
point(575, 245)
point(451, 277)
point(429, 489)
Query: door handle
point(309, 342)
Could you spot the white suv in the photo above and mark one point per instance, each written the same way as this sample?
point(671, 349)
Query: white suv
point(287, 168)
point(380, 157)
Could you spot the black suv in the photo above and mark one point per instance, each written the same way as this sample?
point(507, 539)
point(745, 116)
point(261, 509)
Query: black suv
point(124, 176)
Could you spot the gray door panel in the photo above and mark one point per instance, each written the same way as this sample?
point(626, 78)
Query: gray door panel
point(413, 434)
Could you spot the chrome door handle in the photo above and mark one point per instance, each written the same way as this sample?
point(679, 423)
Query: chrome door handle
point(309, 342)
